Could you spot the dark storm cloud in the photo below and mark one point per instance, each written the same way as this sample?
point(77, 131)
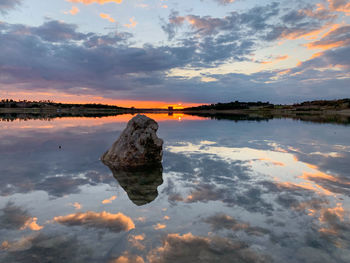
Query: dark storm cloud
point(7, 5)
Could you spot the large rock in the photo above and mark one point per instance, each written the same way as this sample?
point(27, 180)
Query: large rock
point(138, 145)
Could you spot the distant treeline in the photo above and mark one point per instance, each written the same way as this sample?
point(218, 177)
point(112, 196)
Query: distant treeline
point(10, 117)
point(307, 105)
point(6, 103)
point(343, 103)
point(235, 105)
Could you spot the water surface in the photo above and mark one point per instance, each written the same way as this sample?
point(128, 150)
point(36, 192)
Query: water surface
point(229, 191)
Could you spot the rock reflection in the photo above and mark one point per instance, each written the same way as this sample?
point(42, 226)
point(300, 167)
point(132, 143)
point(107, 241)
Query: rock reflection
point(140, 184)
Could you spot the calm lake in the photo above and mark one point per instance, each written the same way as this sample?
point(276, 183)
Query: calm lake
point(273, 190)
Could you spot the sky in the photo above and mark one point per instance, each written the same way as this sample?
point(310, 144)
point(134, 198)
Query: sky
point(147, 53)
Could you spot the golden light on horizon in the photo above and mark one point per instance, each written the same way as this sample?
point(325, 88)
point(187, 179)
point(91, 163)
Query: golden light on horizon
point(78, 99)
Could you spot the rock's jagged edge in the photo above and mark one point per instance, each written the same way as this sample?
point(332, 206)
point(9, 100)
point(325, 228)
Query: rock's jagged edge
point(137, 147)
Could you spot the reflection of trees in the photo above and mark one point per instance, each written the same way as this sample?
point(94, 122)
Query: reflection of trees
point(266, 116)
point(232, 117)
point(140, 184)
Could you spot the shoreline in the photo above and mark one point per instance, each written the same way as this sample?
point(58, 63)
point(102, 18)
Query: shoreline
point(343, 112)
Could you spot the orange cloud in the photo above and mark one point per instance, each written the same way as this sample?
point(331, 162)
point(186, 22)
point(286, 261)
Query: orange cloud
point(32, 224)
point(76, 205)
point(277, 59)
point(327, 45)
point(101, 2)
point(322, 176)
point(128, 258)
point(331, 217)
point(284, 72)
point(272, 161)
point(75, 10)
point(114, 222)
point(304, 185)
point(108, 17)
point(136, 241)
point(339, 5)
point(316, 55)
point(132, 24)
point(23, 244)
point(338, 211)
point(109, 200)
point(159, 226)
point(329, 39)
point(313, 34)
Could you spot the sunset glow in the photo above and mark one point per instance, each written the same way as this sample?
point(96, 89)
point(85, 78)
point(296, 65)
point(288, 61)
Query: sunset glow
point(160, 54)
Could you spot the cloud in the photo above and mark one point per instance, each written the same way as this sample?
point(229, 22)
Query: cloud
point(328, 182)
point(223, 221)
point(205, 193)
point(46, 248)
point(136, 241)
point(234, 24)
point(132, 24)
point(159, 226)
point(8, 5)
point(109, 200)
point(322, 65)
point(103, 220)
point(76, 205)
point(32, 224)
point(56, 31)
point(338, 37)
point(13, 217)
point(42, 176)
point(73, 62)
point(108, 17)
point(275, 60)
point(191, 248)
point(339, 5)
point(75, 10)
point(225, 2)
point(128, 258)
point(101, 2)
